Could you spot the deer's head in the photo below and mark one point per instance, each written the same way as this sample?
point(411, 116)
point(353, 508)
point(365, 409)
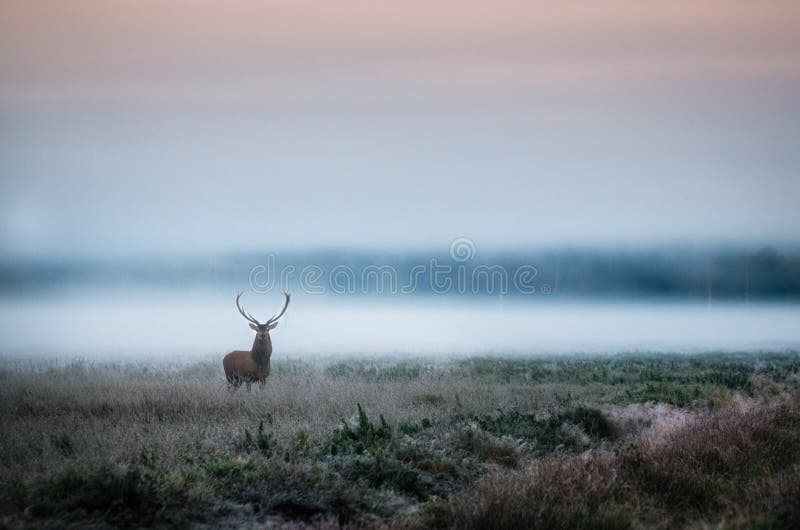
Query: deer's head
point(262, 330)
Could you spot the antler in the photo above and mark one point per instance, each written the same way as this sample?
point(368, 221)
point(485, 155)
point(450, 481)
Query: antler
point(274, 318)
point(248, 316)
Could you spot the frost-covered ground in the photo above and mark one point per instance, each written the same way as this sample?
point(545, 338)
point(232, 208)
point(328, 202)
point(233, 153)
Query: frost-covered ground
point(658, 440)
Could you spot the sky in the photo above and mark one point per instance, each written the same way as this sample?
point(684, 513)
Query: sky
point(182, 126)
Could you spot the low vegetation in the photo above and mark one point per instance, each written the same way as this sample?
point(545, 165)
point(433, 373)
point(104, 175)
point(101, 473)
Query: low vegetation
point(627, 441)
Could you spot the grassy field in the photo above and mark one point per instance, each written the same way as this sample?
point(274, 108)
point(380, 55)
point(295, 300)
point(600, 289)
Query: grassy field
point(661, 441)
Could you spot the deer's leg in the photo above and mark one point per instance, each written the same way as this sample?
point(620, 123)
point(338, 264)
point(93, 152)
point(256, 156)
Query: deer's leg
point(233, 383)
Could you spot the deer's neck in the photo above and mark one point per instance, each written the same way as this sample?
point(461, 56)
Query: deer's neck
point(262, 351)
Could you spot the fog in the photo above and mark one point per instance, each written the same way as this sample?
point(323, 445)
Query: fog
point(125, 324)
point(152, 154)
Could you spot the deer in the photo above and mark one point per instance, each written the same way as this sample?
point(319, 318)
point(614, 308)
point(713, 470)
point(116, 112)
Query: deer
point(242, 366)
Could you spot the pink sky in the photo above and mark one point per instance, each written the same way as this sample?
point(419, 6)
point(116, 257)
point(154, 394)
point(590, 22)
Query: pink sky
point(209, 52)
point(142, 124)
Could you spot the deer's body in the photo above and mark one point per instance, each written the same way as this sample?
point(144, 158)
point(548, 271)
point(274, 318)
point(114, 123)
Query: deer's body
point(243, 366)
point(247, 367)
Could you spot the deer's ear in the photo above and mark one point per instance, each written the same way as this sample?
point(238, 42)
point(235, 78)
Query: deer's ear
point(253, 327)
point(272, 326)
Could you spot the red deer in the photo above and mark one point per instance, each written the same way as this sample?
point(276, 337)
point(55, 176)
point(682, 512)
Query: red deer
point(247, 366)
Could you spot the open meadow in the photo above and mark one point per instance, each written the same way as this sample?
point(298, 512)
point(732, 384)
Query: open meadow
point(622, 441)
point(524, 264)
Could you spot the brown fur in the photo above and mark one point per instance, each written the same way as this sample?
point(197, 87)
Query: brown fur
point(249, 366)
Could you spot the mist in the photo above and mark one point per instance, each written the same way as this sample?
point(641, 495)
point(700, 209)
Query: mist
point(638, 165)
point(121, 325)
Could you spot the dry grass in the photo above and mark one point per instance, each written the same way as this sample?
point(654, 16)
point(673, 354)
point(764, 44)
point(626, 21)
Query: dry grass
point(111, 412)
point(608, 442)
point(736, 467)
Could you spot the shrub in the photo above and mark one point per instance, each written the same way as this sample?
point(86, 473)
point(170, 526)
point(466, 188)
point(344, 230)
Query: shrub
point(554, 493)
point(486, 447)
point(123, 496)
point(592, 421)
point(263, 442)
point(717, 455)
point(380, 471)
point(545, 431)
point(365, 436)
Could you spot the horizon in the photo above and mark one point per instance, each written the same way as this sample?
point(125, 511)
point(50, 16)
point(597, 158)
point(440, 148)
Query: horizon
point(669, 246)
point(529, 264)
